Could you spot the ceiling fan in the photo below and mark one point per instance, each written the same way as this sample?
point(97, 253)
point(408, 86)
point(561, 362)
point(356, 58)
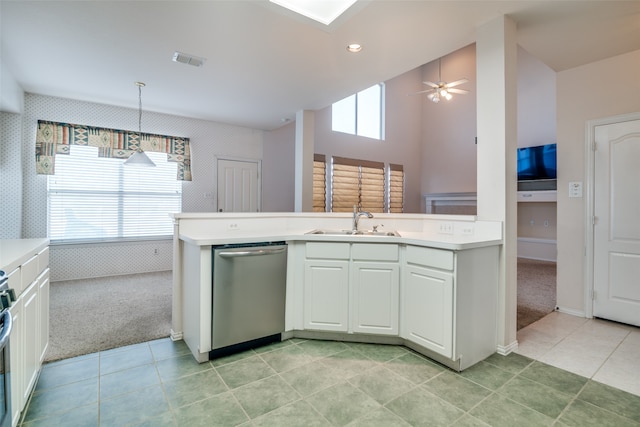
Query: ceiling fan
point(442, 89)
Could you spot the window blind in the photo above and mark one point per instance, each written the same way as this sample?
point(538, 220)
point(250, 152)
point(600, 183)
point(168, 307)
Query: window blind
point(396, 188)
point(357, 182)
point(319, 183)
point(93, 198)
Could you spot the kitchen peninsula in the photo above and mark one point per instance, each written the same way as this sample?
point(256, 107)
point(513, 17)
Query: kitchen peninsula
point(432, 288)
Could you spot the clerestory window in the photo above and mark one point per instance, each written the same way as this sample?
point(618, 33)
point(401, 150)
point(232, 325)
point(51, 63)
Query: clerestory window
point(361, 113)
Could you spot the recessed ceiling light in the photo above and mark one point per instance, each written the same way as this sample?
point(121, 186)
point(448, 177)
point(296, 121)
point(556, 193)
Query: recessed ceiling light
point(323, 11)
point(354, 47)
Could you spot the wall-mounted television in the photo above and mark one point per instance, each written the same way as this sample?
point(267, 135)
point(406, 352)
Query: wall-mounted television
point(537, 168)
point(537, 162)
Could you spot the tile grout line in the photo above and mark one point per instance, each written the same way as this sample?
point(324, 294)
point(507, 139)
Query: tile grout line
point(609, 357)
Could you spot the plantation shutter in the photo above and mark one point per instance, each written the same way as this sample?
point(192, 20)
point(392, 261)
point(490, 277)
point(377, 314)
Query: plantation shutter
point(396, 188)
point(319, 183)
point(357, 182)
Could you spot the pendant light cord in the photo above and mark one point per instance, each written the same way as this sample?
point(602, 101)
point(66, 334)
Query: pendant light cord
point(140, 86)
point(140, 110)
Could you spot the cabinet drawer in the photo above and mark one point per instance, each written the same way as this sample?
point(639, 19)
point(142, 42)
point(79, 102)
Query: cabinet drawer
point(430, 257)
point(374, 252)
point(327, 250)
point(29, 271)
point(43, 259)
point(15, 281)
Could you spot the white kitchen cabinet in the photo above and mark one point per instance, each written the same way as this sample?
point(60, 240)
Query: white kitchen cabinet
point(428, 308)
point(375, 288)
point(326, 295)
point(351, 288)
point(43, 319)
point(17, 363)
point(326, 286)
point(449, 305)
point(28, 261)
point(31, 355)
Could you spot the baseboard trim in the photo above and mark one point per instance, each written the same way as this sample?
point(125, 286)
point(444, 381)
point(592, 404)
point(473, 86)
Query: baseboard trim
point(505, 350)
point(538, 249)
point(578, 313)
point(176, 336)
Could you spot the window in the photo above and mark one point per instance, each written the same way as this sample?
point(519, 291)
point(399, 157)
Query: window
point(371, 186)
point(319, 183)
point(357, 182)
point(396, 189)
point(93, 198)
point(361, 113)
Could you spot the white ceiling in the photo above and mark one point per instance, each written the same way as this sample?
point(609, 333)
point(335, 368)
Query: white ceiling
point(265, 63)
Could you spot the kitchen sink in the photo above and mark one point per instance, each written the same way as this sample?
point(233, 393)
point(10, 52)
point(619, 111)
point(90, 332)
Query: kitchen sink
point(355, 233)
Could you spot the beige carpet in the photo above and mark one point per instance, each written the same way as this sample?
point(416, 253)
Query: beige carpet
point(536, 290)
point(99, 314)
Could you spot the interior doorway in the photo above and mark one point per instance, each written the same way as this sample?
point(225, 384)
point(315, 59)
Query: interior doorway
point(238, 185)
point(537, 269)
point(613, 241)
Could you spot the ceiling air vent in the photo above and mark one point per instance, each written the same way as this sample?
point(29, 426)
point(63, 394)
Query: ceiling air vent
point(185, 58)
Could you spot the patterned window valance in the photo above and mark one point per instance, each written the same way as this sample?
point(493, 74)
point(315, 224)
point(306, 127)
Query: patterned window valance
point(55, 138)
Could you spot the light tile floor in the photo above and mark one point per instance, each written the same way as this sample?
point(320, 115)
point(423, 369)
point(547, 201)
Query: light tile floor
point(322, 383)
point(604, 351)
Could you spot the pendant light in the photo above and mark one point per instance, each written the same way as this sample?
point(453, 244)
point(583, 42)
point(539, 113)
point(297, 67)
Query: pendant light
point(139, 158)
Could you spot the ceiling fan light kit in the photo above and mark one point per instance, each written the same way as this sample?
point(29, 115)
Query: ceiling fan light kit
point(442, 89)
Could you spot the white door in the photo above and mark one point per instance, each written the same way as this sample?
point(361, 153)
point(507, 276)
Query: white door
point(616, 269)
point(237, 186)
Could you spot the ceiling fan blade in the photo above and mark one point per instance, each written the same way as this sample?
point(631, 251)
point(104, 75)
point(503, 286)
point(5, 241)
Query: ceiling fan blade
point(460, 91)
point(457, 82)
point(423, 91)
point(432, 84)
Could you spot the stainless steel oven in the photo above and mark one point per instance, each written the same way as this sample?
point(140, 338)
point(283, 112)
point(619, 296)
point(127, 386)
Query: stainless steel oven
point(6, 298)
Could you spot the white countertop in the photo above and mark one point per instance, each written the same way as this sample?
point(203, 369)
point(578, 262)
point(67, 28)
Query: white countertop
point(439, 231)
point(450, 242)
point(14, 252)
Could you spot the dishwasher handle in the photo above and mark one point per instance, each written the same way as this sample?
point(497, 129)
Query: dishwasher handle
point(250, 252)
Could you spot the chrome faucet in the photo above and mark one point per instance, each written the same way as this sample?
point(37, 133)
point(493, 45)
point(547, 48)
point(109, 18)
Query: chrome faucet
point(356, 218)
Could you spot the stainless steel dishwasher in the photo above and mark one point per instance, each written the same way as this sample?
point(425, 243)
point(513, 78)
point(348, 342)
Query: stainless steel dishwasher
point(249, 288)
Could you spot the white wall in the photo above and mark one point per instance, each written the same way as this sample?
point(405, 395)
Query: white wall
point(10, 176)
point(449, 155)
point(278, 169)
point(536, 101)
point(402, 143)
point(601, 89)
point(11, 93)
point(209, 141)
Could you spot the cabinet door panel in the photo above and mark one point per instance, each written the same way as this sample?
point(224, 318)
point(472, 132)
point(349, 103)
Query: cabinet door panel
point(43, 297)
point(326, 295)
point(32, 338)
point(375, 298)
point(16, 351)
point(428, 309)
